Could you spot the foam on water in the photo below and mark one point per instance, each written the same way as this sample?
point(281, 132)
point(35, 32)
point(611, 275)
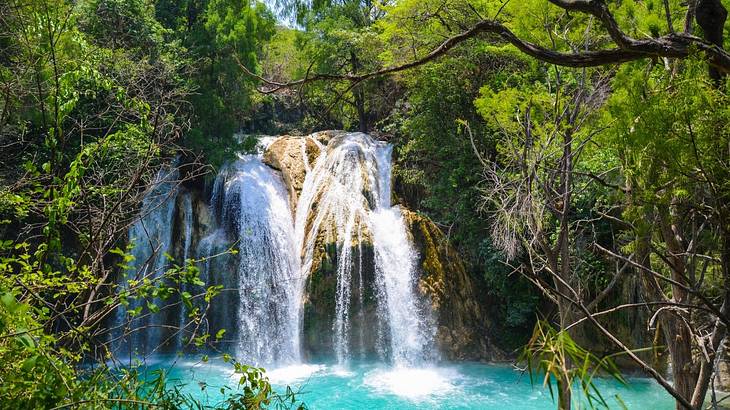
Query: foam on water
point(288, 375)
point(369, 385)
point(415, 384)
point(342, 371)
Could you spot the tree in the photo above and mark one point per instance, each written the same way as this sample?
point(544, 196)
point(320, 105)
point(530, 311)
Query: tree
point(217, 35)
point(535, 187)
point(670, 139)
point(614, 46)
point(338, 36)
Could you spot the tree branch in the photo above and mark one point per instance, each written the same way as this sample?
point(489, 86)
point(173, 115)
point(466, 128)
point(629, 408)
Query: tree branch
point(672, 45)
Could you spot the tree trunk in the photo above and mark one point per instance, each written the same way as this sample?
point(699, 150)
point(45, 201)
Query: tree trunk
point(676, 324)
point(679, 343)
point(672, 328)
point(564, 396)
point(359, 96)
point(719, 332)
point(362, 116)
point(711, 16)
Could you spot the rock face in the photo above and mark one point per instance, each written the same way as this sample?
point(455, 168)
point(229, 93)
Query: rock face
point(320, 296)
point(462, 324)
point(443, 279)
point(294, 157)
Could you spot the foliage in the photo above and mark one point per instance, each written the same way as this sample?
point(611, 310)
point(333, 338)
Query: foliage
point(553, 355)
point(96, 97)
point(437, 172)
point(46, 369)
point(219, 34)
point(341, 35)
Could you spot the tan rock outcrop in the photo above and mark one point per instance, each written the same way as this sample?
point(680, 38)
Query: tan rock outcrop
point(324, 137)
point(293, 156)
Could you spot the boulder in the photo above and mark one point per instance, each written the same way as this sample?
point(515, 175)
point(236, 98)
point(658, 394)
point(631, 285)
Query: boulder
point(294, 157)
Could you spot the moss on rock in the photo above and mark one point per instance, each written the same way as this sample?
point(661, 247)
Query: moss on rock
point(462, 324)
point(320, 295)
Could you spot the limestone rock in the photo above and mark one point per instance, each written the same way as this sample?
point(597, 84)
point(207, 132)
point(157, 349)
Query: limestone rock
point(324, 137)
point(320, 294)
point(293, 156)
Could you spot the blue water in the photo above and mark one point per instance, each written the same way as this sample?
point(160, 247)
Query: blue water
point(371, 386)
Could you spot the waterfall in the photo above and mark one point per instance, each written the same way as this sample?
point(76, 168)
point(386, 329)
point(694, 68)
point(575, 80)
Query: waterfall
point(152, 239)
point(344, 208)
point(412, 331)
point(187, 225)
point(187, 229)
point(346, 194)
point(336, 185)
point(252, 207)
point(410, 328)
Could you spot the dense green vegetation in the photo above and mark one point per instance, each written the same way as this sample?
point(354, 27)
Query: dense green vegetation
point(97, 96)
point(576, 153)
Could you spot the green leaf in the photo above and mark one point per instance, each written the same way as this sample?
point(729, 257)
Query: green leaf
point(219, 334)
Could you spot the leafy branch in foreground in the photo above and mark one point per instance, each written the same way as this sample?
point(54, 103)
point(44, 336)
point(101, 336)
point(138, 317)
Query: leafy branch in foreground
point(619, 47)
point(557, 357)
point(45, 368)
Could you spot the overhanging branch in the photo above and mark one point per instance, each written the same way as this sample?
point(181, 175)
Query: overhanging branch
point(671, 45)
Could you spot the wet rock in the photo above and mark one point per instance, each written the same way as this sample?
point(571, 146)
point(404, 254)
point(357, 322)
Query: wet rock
point(462, 323)
point(320, 295)
point(324, 137)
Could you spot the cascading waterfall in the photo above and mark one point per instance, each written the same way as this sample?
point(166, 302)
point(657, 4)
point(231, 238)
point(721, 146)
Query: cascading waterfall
point(187, 211)
point(253, 211)
point(338, 278)
point(348, 192)
point(345, 201)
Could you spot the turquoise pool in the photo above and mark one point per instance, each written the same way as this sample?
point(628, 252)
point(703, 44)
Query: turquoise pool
point(368, 385)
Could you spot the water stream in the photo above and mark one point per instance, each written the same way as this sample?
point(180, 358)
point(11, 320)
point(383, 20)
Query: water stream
point(253, 216)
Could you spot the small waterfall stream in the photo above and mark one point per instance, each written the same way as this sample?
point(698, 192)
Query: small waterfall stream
point(412, 330)
point(152, 239)
point(345, 201)
point(187, 231)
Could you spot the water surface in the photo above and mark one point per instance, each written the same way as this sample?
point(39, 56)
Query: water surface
point(369, 385)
